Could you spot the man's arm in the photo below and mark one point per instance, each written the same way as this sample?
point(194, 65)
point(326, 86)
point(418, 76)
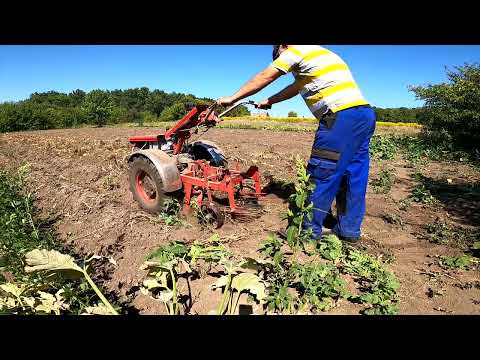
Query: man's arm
point(285, 94)
point(257, 83)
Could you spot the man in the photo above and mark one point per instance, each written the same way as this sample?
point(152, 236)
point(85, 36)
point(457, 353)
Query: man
point(339, 161)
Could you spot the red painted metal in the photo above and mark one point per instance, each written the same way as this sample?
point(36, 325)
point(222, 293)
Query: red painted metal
point(201, 177)
point(144, 138)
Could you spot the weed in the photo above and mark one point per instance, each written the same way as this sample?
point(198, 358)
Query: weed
point(110, 182)
point(384, 182)
point(383, 147)
point(393, 219)
point(420, 194)
point(378, 284)
point(463, 262)
point(170, 212)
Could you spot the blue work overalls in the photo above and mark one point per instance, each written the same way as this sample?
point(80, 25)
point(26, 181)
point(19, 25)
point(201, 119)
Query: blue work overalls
point(339, 167)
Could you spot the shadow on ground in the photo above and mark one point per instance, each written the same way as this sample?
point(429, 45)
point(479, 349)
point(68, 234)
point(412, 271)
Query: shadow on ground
point(461, 200)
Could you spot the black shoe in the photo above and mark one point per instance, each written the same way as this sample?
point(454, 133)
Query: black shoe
point(350, 240)
point(330, 221)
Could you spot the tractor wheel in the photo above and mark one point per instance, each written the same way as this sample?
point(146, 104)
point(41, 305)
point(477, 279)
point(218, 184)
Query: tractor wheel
point(212, 216)
point(146, 185)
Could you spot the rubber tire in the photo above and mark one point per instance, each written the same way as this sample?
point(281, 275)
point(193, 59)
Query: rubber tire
point(217, 213)
point(142, 164)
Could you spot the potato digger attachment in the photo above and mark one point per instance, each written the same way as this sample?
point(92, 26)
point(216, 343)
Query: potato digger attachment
point(169, 165)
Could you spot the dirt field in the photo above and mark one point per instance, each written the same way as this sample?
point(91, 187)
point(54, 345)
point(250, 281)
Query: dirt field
point(81, 175)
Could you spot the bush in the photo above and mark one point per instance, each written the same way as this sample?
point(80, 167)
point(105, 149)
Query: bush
point(292, 114)
point(452, 110)
point(98, 107)
point(173, 113)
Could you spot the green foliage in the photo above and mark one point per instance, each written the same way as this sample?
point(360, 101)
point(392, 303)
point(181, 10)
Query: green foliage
point(292, 114)
point(173, 113)
point(170, 213)
point(384, 182)
point(383, 147)
point(379, 286)
point(300, 209)
point(52, 109)
point(331, 248)
point(420, 194)
point(463, 262)
point(98, 107)
point(402, 114)
point(453, 108)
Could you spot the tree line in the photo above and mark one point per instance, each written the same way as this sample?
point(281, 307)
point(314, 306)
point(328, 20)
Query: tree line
point(52, 109)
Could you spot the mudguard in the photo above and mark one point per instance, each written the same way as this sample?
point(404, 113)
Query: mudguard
point(166, 167)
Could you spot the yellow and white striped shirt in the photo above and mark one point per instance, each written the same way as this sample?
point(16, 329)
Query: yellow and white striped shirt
point(324, 80)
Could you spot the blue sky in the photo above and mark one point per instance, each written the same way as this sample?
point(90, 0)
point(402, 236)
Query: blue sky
point(382, 72)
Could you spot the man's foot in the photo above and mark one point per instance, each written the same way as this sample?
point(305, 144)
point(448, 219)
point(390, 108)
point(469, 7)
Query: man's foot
point(350, 240)
point(330, 221)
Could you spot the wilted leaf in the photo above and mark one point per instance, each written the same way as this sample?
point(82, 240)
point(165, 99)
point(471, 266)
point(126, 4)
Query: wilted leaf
point(166, 296)
point(52, 261)
point(150, 284)
point(11, 289)
point(152, 264)
point(221, 282)
point(251, 283)
point(93, 257)
point(99, 309)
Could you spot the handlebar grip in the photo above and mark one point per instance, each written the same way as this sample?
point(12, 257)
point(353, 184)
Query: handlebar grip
point(265, 108)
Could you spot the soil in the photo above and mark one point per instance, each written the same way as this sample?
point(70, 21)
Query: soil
point(80, 178)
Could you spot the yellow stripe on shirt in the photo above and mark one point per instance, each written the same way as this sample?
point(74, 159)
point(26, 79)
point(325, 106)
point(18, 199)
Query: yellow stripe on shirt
point(305, 79)
point(349, 105)
point(330, 91)
point(282, 65)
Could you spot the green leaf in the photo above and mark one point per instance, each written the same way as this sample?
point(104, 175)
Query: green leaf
point(291, 234)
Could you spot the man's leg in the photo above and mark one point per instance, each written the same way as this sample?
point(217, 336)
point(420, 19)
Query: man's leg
point(326, 177)
point(351, 198)
point(335, 151)
point(353, 186)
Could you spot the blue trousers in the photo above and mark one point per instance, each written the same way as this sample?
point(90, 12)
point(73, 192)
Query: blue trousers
point(339, 167)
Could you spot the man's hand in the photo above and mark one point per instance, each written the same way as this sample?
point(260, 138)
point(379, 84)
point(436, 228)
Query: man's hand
point(264, 104)
point(226, 101)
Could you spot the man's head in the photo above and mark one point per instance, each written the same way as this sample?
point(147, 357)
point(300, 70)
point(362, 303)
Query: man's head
point(277, 50)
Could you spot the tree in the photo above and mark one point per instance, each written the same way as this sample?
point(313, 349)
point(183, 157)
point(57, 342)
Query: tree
point(156, 102)
point(98, 107)
point(452, 109)
point(173, 113)
point(292, 114)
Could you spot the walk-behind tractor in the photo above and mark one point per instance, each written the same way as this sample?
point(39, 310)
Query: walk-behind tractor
point(169, 165)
